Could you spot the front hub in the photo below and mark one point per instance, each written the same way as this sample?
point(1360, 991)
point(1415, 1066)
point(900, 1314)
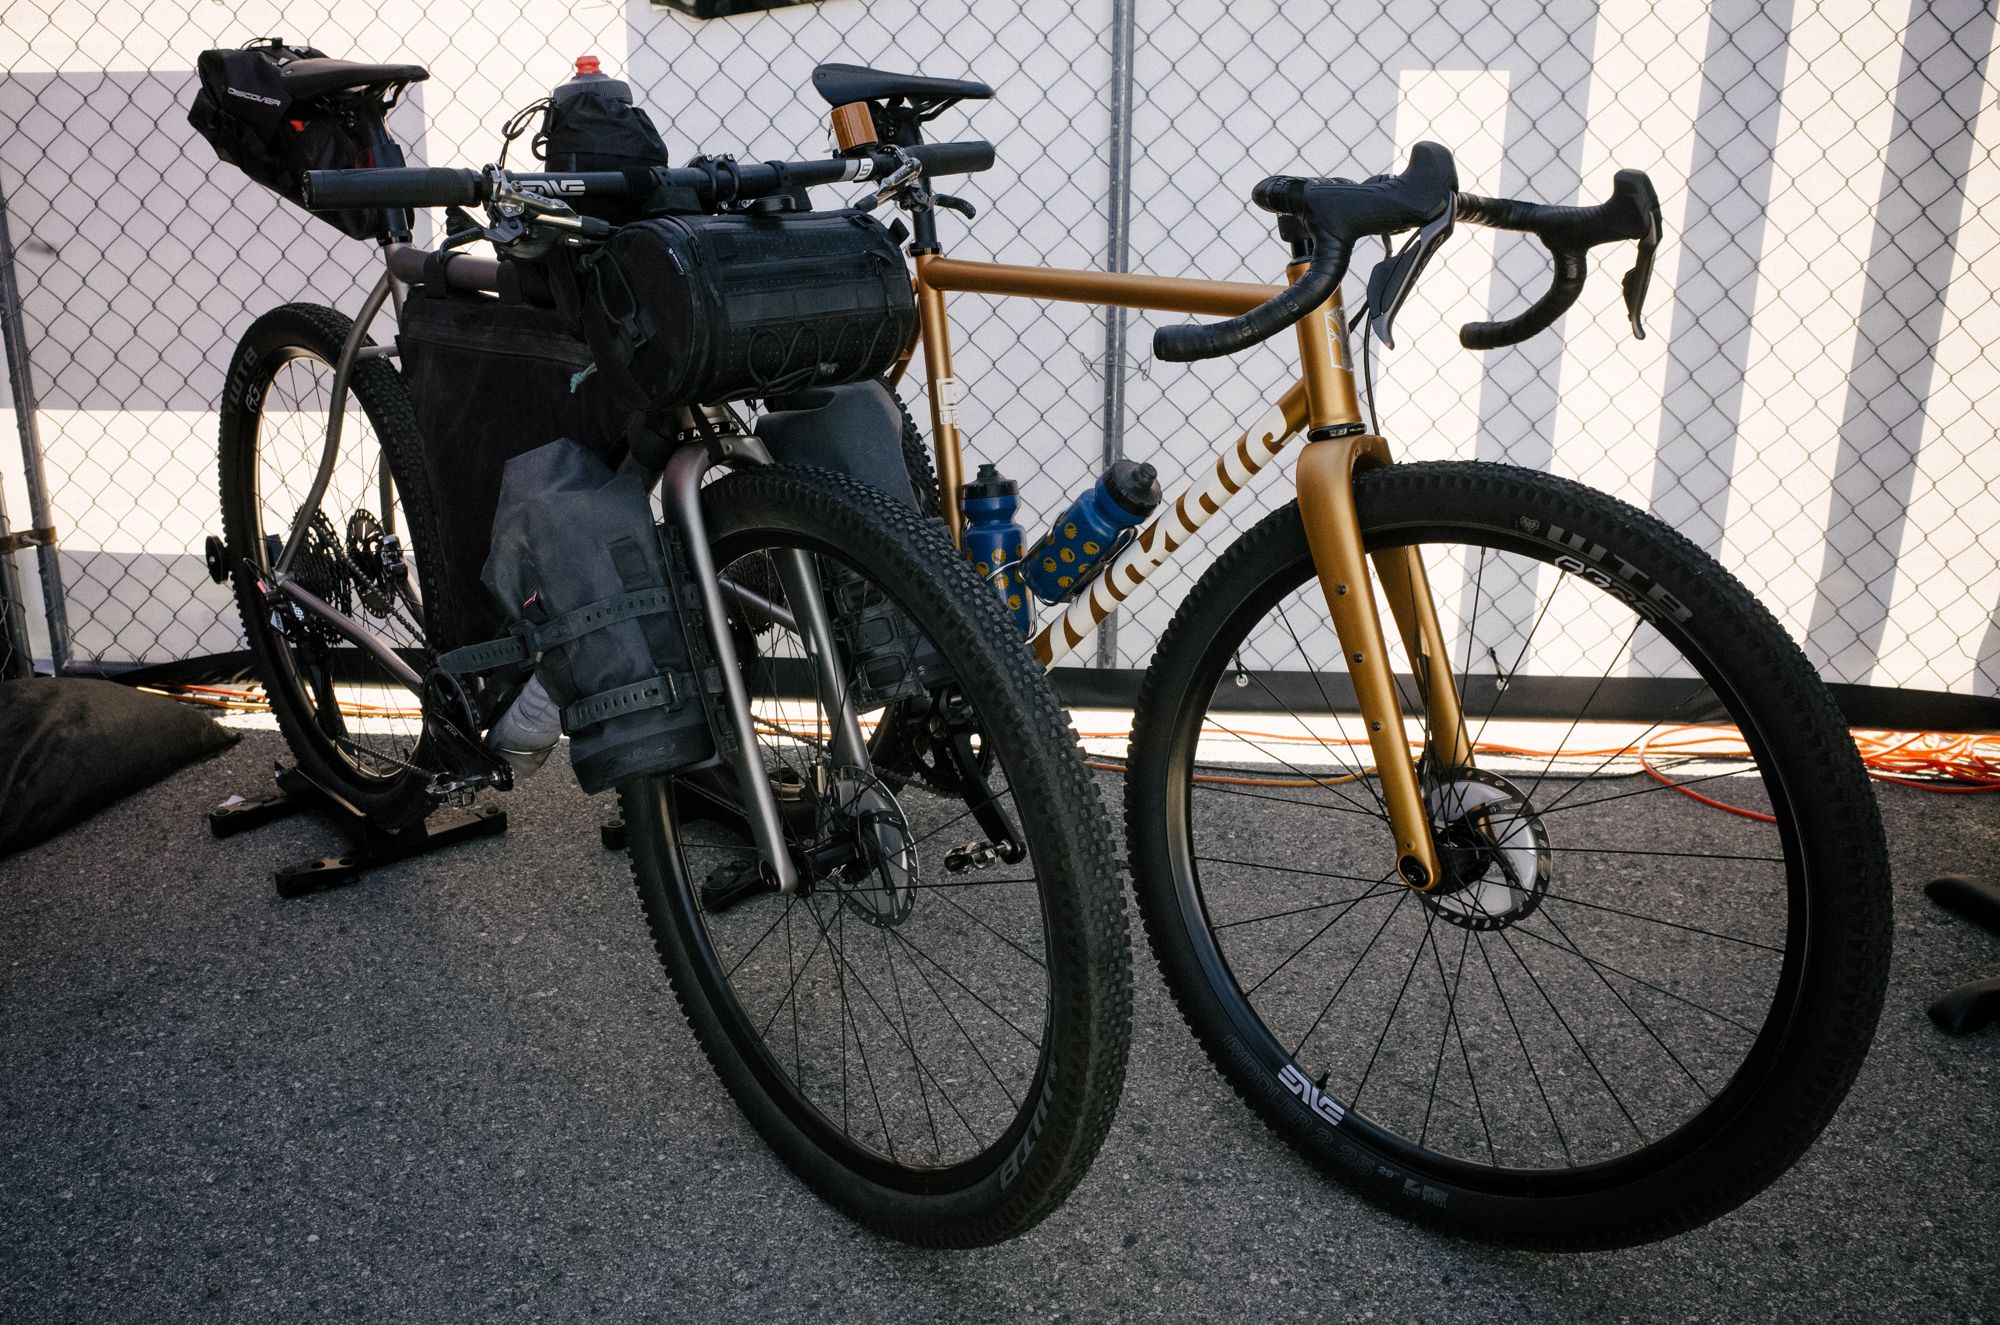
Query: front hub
point(876, 877)
point(1492, 850)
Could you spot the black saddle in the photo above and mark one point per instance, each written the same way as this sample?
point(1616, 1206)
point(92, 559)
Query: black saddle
point(843, 83)
point(317, 77)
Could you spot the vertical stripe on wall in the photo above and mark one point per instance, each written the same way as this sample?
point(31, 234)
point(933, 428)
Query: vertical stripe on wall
point(1947, 580)
point(1910, 263)
point(1826, 180)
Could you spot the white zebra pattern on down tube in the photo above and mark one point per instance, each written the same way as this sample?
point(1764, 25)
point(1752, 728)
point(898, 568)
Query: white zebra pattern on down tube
point(1169, 530)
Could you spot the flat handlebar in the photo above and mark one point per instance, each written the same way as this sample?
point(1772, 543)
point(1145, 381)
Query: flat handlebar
point(713, 181)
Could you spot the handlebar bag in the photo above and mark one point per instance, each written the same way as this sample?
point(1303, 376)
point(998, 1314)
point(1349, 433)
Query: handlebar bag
point(488, 380)
point(701, 310)
point(610, 622)
point(242, 108)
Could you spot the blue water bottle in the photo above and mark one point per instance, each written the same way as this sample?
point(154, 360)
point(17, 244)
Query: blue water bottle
point(1084, 534)
point(993, 539)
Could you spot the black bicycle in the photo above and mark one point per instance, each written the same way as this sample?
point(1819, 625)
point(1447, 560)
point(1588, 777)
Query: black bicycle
point(887, 903)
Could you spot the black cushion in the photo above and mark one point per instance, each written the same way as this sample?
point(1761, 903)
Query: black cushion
point(842, 83)
point(309, 78)
point(70, 747)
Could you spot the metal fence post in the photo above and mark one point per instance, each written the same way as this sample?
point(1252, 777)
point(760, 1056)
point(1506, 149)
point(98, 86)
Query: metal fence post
point(1117, 257)
point(20, 380)
point(17, 659)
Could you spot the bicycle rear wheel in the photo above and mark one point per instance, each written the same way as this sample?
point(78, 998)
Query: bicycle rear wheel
point(371, 550)
point(932, 1031)
point(1622, 1012)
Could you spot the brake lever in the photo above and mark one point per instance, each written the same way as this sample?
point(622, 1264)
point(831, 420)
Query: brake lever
point(892, 184)
point(514, 210)
point(1390, 283)
point(1640, 187)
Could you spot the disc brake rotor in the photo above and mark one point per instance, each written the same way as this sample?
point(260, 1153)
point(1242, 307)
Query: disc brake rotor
point(877, 883)
point(1493, 848)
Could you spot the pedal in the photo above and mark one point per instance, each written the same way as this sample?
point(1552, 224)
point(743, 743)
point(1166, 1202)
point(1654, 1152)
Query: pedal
point(978, 855)
point(217, 557)
point(732, 885)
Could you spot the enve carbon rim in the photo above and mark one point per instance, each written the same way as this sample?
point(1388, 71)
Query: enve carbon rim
point(1389, 1166)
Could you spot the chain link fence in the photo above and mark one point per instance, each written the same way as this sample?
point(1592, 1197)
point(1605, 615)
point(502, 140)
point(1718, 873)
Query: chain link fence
point(1816, 401)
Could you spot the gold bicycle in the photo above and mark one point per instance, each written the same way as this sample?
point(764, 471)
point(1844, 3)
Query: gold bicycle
point(1456, 912)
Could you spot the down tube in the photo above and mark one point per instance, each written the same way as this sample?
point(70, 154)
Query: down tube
point(1173, 527)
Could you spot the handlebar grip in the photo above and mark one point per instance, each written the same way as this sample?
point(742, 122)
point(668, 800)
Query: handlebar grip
point(1213, 340)
point(966, 158)
point(1539, 316)
point(406, 186)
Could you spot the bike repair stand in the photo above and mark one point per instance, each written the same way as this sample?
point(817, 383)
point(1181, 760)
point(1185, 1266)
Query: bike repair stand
point(372, 844)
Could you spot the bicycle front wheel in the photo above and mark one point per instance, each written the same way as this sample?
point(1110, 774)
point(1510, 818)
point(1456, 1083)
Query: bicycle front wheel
point(1623, 1010)
point(371, 548)
point(932, 1030)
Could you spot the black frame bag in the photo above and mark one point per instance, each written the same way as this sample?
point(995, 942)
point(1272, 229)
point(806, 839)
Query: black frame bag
point(702, 310)
point(243, 110)
point(490, 379)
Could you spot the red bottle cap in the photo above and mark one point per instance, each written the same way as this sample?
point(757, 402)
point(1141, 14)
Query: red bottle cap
point(587, 64)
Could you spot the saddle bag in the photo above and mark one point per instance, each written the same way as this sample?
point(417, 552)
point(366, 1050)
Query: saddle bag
point(243, 109)
point(687, 310)
point(609, 622)
point(490, 379)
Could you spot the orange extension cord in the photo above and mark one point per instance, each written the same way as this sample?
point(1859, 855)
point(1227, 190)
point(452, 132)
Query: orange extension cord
point(1928, 761)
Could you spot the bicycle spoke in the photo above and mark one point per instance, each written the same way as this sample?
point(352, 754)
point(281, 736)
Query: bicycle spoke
point(1284, 800)
point(1334, 997)
point(1319, 683)
point(1574, 1038)
point(1430, 918)
point(1528, 1058)
point(1303, 910)
point(1637, 980)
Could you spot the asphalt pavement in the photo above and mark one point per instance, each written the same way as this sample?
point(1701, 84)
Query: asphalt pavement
point(460, 1090)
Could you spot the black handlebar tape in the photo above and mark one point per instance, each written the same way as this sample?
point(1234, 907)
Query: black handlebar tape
point(1213, 340)
point(1336, 212)
point(1569, 233)
point(1570, 269)
point(404, 186)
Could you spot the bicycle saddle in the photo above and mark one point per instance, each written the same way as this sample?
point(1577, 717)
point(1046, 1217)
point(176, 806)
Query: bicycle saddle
point(843, 83)
point(309, 78)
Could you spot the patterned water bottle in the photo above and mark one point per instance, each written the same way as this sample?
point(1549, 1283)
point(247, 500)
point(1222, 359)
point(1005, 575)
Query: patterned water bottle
point(994, 540)
point(1084, 534)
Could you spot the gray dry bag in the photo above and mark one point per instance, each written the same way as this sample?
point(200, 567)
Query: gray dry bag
point(581, 571)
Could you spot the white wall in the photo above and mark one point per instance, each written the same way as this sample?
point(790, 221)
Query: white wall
point(1774, 133)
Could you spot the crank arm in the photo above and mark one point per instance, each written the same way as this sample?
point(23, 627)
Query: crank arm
point(986, 809)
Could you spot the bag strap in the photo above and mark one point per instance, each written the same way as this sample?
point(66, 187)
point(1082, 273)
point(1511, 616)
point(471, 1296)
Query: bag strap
point(656, 692)
point(616, 372)
point(526, 642)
